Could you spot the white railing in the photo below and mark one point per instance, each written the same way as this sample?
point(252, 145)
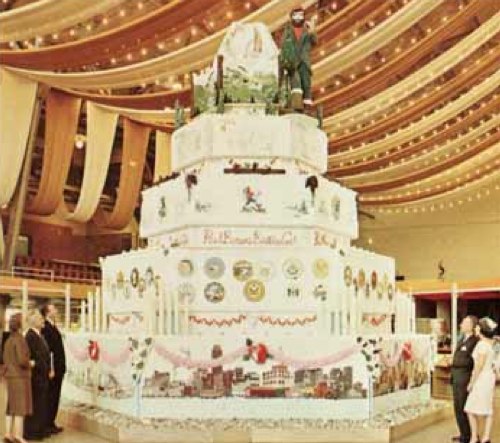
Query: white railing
point(46, 275)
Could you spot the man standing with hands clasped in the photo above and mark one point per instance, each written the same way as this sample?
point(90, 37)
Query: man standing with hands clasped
point(53, 338)
point(461, 370)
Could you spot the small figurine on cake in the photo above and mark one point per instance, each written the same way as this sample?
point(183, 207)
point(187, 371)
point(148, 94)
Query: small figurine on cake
point(257, 353)
point(295, 58)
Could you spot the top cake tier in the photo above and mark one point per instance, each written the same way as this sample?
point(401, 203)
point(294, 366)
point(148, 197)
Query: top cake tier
point(244, 131)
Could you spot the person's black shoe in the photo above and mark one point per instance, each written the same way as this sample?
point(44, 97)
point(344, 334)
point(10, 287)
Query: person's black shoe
point(33, 437)
point(55, 429)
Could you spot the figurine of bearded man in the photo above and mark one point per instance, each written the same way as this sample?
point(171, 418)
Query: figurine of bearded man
point(295, 57)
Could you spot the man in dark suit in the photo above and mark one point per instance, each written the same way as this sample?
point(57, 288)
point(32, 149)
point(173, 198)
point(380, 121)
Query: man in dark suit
point(54, 340)
point(461, 371)
point(41, 372)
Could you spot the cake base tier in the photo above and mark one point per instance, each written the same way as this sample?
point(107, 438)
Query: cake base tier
point(122, 429)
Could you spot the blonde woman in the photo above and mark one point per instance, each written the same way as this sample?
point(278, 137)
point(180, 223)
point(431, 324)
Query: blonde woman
point(482, 383)
point(16, 358)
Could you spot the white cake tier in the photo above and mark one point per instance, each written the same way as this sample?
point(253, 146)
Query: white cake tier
point(293, 289)
point(222, 198)
point(244, 131)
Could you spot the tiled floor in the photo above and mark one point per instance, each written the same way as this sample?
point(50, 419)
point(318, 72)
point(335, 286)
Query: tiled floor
point(441, 432)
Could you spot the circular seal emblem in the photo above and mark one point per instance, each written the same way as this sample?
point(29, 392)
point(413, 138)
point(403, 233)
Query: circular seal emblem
point(214, 292)
point(293, 268)
point(254, 290)
point(186, 293)
point(320, 268)
point(265, 271)
point(348, 276)
point(242, 270)
point(214, 268)
point(185, 268)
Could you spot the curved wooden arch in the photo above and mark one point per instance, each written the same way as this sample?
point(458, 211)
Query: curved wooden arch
point(395, 155)
point(424, 195)
point(97, 47)
point(489, 65)
point(428, 172)
point(377, 79)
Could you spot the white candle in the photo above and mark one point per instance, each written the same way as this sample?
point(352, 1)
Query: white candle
point(168, 301)
point(98, 310)
point(90, 315)
point(67, 307)
point(353, 317)
point(344, 313)
point(175, 300)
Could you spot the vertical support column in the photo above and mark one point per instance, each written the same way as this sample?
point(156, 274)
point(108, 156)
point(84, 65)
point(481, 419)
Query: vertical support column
point(16, 209)
point(90, 311)
point(24, 305)
point(67, 307)
point(83, 316)
point(454, 320)
point(163, 155)
point(413, 323)
point(104, 313)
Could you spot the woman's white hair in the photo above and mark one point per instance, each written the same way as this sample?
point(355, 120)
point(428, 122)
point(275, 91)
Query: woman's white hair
point(33, 316)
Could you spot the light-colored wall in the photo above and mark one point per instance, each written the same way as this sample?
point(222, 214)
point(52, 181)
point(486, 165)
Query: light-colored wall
point(466, 238)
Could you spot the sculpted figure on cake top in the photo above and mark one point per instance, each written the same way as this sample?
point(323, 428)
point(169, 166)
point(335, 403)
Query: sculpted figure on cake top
point(295, 58)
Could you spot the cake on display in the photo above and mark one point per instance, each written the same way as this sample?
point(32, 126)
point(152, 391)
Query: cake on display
point(249, 293)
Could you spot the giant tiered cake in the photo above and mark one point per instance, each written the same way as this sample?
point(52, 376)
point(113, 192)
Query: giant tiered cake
point(249, 300)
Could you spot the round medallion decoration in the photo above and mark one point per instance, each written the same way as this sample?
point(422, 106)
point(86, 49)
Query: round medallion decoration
point(293, 268)
point(185, 268)
point(348, 276)
point(320, 292)
point(186, 293)
point(361, 278)
point(214, 267)
point(374, 280)
point(254, 290)
point(321, 269)
point(119, 280)
point(214, 292)
point(265, 271)
point(390, 291)
point(149, 276)
point(134, 277)
point(242, 270)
